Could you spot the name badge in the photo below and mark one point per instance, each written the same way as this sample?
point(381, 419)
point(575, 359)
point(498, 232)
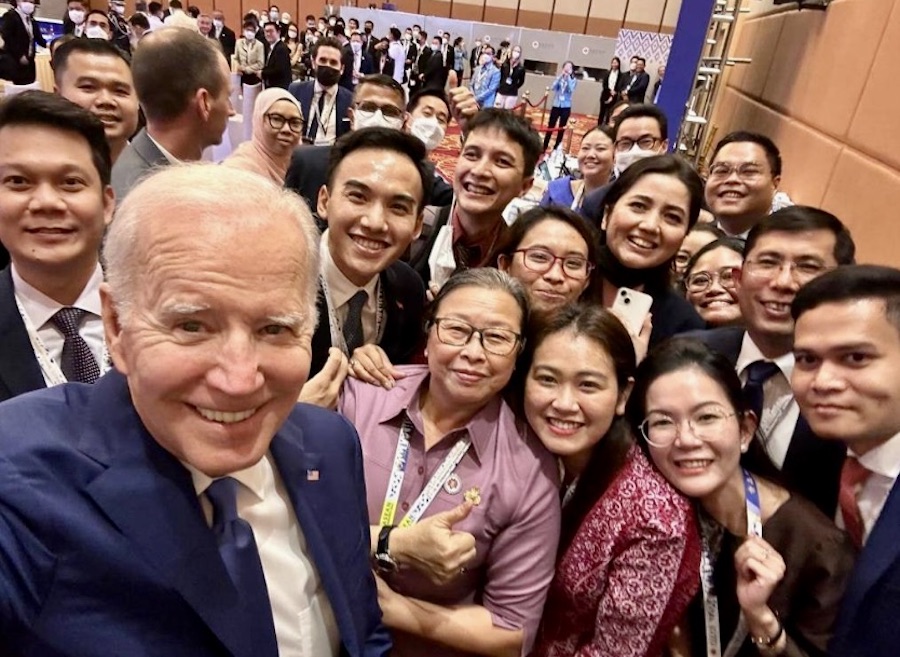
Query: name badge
point(508, 80)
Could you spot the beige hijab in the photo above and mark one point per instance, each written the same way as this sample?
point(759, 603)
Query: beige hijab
point(255, 155)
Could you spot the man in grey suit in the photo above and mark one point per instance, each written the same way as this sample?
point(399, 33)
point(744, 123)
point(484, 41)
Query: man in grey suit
point(183, 83)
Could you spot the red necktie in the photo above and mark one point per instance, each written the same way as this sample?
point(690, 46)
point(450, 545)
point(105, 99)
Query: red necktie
point(853, 476)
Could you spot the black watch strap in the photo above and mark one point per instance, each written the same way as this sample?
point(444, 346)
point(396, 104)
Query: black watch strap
point(381, 548)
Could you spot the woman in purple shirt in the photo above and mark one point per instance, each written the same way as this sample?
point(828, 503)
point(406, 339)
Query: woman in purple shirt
point(462, 498)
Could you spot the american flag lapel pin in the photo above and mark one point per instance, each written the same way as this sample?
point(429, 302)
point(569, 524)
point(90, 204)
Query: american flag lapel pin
point(312, 475)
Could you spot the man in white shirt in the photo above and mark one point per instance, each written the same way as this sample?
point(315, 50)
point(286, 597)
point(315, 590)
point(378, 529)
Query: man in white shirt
point(178, 17)
point(847, 381)
point(785, 251)
point(53, 211)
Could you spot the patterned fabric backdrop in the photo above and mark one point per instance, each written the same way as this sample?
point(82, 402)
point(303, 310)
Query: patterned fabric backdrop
point(651, 46)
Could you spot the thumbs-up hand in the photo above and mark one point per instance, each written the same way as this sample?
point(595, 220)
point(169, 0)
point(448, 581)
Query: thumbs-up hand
point(433, 547)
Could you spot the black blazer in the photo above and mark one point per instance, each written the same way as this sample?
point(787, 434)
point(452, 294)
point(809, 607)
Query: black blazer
point(517, 76)
point(228, 41)
point(404, 306)
point(15, 46)
point(434, 71)
point(638, 88)
point(812, 466)
point(277, 71)
point(605, 95)
point(19, 369)
point(307, 172)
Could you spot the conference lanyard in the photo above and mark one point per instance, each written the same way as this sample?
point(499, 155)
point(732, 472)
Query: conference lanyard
point(336, 326)
point(707, 565)
point(323, 119)
point(53, 375)
point(434, 485)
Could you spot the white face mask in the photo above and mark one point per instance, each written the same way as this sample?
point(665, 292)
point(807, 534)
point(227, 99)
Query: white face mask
point(356, 47)
point(375, 119)
point(486, 59)
point(27, 8)
point(76, 16)
point(274, 16)
point(96, 32)
point(218, 24)
point(626, 159)
point(249, 35)
point(332, 21)
point(292, 34)
point(119, 9)
point(429, 131)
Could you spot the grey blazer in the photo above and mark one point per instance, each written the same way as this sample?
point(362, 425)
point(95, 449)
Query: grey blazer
point(136, 161)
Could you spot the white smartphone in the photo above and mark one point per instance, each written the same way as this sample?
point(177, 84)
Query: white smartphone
point(632, 307)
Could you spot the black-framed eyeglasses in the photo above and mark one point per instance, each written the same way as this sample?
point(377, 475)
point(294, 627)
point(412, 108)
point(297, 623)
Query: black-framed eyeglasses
point(540, 261)
point(277, 121)
point(661, 429)
point(494, 340)
point(647, 142)
point(702, 280)
point(745, 171)
point(389, 111)
point(770, 267)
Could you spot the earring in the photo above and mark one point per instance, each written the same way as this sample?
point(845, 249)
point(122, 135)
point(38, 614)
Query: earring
point(744, 448)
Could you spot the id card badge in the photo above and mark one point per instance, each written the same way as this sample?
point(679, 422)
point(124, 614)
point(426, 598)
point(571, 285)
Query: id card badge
point(508, 80)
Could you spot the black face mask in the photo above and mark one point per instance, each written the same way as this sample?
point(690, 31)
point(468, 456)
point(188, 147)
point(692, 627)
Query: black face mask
point(368, 30)
point(327, 76)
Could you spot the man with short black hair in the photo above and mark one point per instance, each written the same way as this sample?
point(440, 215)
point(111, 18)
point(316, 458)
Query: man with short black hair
point(743, 179)
point(178, 17)
point(140, 25)
point(184, 85)
point(784, 252)
point(323, 101)
point(96, 75)
point(847, 382)
point(277, 69)
point(52, 222)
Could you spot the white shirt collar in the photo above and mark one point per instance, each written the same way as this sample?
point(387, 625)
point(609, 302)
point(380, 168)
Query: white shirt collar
point(171, 158)
point(883, 460)
point(40, 308)
point(750, 353)
point(254, 477)
point(329, 91)
point(340, 288)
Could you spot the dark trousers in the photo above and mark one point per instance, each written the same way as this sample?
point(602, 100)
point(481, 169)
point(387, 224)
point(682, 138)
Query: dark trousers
point(560, 114)
point(607, 99)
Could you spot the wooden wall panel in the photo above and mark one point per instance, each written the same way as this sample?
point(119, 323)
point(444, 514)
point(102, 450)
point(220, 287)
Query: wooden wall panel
point(535, 14)
point(435, 8)
point(644, 15)
point(569, 16)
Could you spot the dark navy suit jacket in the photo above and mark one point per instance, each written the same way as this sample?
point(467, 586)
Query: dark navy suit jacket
point(867, 625)
point(104, 549)
point(304, 91)
point(812, 466)
point(19, 369)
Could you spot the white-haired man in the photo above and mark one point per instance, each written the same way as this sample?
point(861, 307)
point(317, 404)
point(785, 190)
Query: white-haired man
point(186, 496)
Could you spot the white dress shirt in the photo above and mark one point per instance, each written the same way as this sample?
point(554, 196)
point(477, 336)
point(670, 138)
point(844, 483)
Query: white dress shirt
point(40, 309)
point(330, 117)
point(780, 409)
point(884, 464)
point(395, 52)
point(305, 625)
point(166, 154)
point(340, 290)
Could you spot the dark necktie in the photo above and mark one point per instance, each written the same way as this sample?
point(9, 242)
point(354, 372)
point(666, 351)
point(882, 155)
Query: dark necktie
point(318, 121)
point(78, 363)
point(757, 374)
point(853, 476)
point(353, 329)
point(238, 550)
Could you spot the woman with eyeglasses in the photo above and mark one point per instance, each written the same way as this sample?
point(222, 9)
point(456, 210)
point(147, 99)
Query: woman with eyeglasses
point(552, 252)
point(629, 548)
point(463, 500)
point(277, 128)
point(698, 237)
point(709, 282)
point(595, 163)
point(647, 212)
point(773, 567)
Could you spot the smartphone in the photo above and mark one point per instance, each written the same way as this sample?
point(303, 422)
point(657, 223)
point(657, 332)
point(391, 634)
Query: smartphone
point(632, 307)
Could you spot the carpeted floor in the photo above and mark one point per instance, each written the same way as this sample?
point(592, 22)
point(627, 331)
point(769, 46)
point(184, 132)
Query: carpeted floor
point(446, 155)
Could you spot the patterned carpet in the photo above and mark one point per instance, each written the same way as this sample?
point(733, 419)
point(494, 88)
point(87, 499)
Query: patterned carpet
point(446, 155)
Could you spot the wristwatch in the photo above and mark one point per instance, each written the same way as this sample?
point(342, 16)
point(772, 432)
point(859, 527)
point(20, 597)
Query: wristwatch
point(384, 562)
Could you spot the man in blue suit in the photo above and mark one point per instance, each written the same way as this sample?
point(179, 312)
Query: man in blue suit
point(847, 382)
point(784, 251)
point(323, 101)
point(185, 505)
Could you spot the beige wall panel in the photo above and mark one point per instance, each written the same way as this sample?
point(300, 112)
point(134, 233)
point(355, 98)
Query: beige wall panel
point(809, 158)
point(875, 127)
point(866, 195)
point(467, 12)
point(788, 79)
point(570, 16)
point(670, 15)
point(609, 9)
point(502, 15)
point(435, 8)
point(603, 27)
point(644, 12)
point(536, 20)
point(758, 41)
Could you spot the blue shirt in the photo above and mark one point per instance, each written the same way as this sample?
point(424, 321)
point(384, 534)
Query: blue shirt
point(563, 91)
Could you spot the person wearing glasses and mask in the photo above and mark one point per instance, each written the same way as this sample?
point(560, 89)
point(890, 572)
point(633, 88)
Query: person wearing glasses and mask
point(639, 132)
point(277, 126)
point(784, 251)
point(773, 567)
point(463, 500)
point(709, 282)
point(553, 252)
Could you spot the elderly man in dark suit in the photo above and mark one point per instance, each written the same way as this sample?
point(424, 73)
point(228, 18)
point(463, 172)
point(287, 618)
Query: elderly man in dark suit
point(784, 251)
point(20, 35)
point(847, 381)
point(50, 325)
point(184, 86)
point(223, 34)
point(186, 505)
point(370, 303)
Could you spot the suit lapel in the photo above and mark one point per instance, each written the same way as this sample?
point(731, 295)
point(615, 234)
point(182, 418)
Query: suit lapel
point(295, 464)
point(20, 371)
point(150, 498)
point(144, 147)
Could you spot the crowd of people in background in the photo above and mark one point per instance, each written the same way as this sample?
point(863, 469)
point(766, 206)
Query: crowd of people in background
point(656, 413)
